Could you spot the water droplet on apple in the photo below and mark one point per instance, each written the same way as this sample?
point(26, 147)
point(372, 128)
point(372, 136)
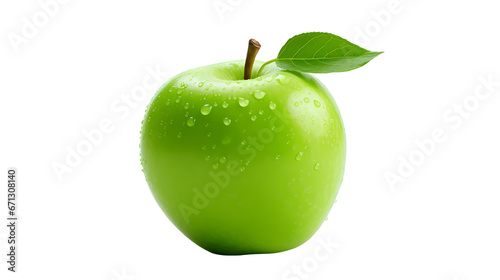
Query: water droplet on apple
point(226, 140)
point(207, 158)
point(222, 159)
point(227, 121)
point(317, 103)
point(253, 118)
point(296, 104)
point(316, 166)
point(191, 121)
point(200, 84)
point(179, 135)
point(243, 102)
point(299, 155)
point(259, 94)
point(306, 100)
point(215, 165)
point(186, 105)
point(178, 99)
point(272, 105)
point(225, 104)
point(282, 79)
point(205, 109)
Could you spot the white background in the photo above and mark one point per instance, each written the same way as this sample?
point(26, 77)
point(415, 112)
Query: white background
point(101, 222)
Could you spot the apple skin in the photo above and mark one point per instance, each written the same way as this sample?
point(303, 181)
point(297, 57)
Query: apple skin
point(256, 173)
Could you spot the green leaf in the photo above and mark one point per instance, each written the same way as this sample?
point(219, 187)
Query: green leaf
point(318, 52)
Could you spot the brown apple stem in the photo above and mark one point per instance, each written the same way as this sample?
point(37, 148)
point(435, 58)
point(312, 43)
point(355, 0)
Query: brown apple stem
point(253, 49)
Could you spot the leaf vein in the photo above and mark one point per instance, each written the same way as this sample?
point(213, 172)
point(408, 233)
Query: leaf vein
point(305, 45)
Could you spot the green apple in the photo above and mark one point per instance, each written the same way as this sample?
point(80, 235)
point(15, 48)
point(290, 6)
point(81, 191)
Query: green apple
point(244, 166)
